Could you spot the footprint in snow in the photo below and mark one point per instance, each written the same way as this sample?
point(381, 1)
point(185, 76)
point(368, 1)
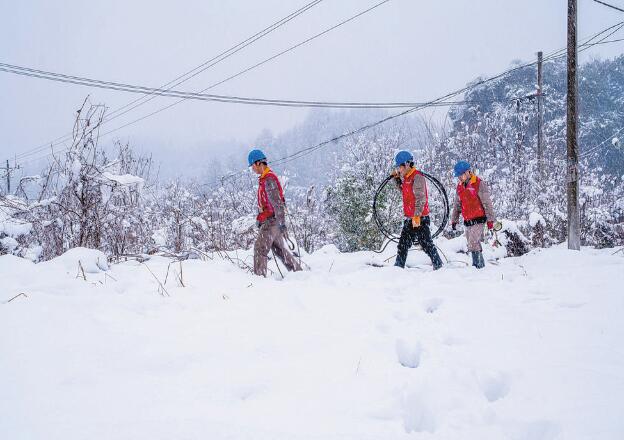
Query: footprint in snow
point(537, 430)
point(247, 392)
point(417, 416)
point(571, 305)
point(432, 304)
point(408, 353)
point(494, 385)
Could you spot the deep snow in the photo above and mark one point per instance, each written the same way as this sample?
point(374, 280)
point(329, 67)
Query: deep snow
point(529, 348)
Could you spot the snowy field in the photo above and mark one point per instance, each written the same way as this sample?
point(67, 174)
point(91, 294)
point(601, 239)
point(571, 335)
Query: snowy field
point(530, 348)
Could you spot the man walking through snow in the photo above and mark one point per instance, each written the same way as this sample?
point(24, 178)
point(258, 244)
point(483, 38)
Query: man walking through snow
point(473, 201)
point(413, 185)
point(271, 217)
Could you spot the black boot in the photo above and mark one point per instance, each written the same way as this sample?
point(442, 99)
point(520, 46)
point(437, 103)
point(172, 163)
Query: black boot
point(435, 260)
point(477, 260)
point(405, 242)
point(423, 235)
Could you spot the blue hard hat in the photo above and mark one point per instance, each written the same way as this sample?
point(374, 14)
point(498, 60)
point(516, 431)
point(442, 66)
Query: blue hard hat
point(255, 156)
point(461, 167)
point(402, 157)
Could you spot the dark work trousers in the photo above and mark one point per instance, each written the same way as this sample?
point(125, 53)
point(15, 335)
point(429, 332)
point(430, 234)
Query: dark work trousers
point(422, 235)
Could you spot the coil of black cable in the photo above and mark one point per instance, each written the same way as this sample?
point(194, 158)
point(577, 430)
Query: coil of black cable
point(433, 183)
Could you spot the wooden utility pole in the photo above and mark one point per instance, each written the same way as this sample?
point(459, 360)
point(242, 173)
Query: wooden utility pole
point(540, 118)
point(8, 176)
point(574, 218)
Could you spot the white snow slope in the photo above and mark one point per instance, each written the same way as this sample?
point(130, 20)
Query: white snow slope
point(529, 349)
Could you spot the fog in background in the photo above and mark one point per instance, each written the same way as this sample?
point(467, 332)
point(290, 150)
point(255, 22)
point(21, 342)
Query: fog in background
point(405, 50)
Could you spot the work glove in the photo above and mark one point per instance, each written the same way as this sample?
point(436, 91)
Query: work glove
point(416, 221)
point(490, 225)
point(258, 223)
point(454, 226)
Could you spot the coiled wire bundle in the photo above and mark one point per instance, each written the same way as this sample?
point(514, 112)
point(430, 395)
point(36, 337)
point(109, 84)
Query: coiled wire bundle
point(388, 212)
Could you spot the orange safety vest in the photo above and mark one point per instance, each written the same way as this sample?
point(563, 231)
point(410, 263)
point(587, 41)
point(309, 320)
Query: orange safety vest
point(266, 210)
point(471, 205)
point(409, 199)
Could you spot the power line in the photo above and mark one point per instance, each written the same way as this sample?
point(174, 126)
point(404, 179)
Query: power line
point(193, 72)
point(226, 54)
point(29, 72)
point(614, 29)
point(291, 48)
point(309, 150)
point(277, 55)
point(596, 147)
point(616, 26)
point(610, 41)
point(609, 5)
point(554, 55)
point(438, 102)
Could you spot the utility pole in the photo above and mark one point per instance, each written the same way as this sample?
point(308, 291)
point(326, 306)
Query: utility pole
point(540, 118)
point(574, 218)
point(8, 176)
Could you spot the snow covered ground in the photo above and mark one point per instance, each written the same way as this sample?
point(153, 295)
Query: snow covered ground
point(528, 349)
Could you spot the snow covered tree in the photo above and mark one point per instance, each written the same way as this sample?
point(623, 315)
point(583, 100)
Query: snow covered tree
point(357, 172)
point(496, 132)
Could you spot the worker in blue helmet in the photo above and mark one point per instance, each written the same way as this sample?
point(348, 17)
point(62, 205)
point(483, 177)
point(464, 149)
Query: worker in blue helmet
point(271, 218)
point(473, 202)
point(413, 187)
point(255, 156)
point(460, 168)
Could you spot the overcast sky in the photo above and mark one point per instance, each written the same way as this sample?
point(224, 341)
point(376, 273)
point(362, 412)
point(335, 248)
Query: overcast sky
point(405, 50)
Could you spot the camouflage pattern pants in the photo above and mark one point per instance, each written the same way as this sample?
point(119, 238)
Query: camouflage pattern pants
point(271, 238)
point(474, 237)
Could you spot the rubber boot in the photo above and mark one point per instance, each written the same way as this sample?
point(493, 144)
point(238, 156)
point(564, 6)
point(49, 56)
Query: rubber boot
point(477, 260)
point(481, 260)
point(436, 261)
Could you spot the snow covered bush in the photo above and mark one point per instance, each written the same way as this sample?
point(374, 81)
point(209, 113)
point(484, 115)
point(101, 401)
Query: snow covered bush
point(85, 199)
point(308, 223)
point(89, 196)
point(602, 215)
point(15, 229)
point(356, 174)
